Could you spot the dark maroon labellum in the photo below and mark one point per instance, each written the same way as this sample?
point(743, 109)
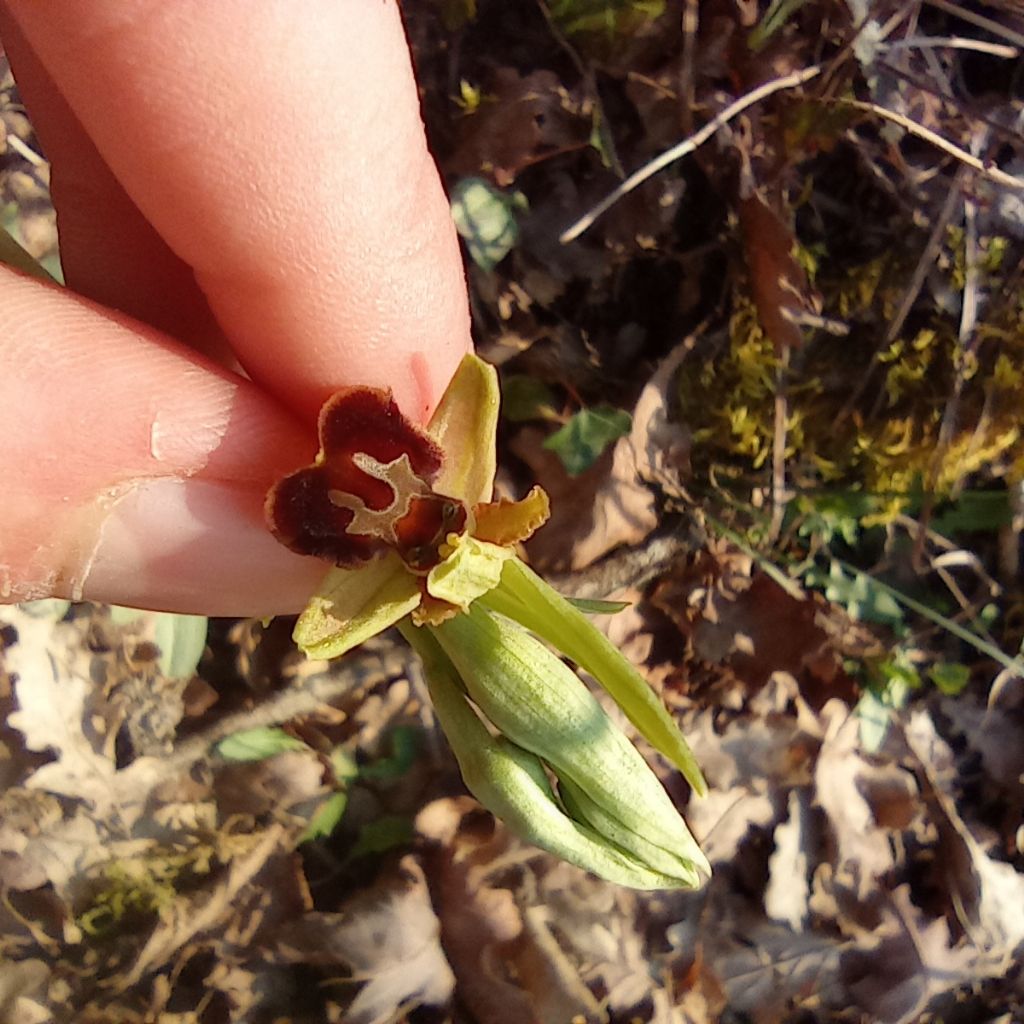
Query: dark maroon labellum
point(368, 490)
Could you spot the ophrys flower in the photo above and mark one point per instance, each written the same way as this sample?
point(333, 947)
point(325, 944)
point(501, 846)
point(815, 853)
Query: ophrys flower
point(407, 517)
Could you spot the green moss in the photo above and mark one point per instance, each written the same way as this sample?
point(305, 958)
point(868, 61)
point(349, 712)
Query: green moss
point(142, 886)
point(931, 416)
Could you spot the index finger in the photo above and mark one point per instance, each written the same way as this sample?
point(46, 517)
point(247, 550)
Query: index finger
point(278, 150)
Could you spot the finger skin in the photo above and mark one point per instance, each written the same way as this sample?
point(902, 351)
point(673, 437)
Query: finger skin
point(279, 152)
point(109, 252)
point(134, 469)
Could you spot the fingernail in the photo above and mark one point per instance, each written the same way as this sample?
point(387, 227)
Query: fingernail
point(198, 546)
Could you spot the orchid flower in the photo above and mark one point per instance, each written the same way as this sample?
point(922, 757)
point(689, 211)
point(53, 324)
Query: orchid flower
point(407, 516)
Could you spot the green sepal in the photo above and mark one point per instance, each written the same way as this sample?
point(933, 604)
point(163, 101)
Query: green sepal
point(352, 605)
point(511, 783)
point(522, 595)
point(465, 425)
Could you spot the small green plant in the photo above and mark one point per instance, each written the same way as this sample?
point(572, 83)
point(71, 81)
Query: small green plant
point(486, 218)
point(267, 741)
point(580, 442)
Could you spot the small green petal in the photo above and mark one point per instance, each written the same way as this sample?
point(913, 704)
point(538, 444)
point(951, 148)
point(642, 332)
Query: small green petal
point(525, 597)
point(351, 605)
point(465, 425)
point(511, 783)
point(540, 704)
point(470, 571)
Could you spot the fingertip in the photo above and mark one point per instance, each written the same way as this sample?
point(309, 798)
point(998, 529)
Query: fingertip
point(95, 411)
point(196, 546)
point(312, 214)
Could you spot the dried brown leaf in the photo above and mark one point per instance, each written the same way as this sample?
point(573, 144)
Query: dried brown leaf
point(591, 514)
point(990, 891)
point(781, 290)
point(23, 993)
point(521, 120)
point(787, 894)
point(610, 505)
point(912, 960)
point(767, 968)
point(194, 916)
point(478, 918)
point(864, 854)
point(55, 713)
point(388, 936)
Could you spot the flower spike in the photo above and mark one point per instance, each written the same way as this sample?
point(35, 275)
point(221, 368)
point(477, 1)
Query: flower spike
point(407, 518)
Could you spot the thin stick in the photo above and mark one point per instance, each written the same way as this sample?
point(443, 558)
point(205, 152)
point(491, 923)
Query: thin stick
point(688, 145)
point(978, 19)
point(992, 173)
point(24, 151)
point(913, 289)
point(953, 43)
point(687, 72)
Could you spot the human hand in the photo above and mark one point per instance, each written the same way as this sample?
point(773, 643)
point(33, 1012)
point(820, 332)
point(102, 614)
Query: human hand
point(237, 184)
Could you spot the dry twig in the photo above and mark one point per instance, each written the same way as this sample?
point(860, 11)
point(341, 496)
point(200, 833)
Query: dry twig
point(687, 146)
point(984, 169)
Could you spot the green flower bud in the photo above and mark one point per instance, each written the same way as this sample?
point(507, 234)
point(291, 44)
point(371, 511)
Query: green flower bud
point(512, 784)
point(522, 595)
point(540, 705)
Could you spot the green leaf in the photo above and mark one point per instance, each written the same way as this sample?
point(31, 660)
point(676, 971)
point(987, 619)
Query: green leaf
point(863, 597)
point(974, 512)
point(611, 17)
point(874, 716)
point(382, 835)
point(525, 398)
point(603, 140)
point(890, 684)
point(122, 615)
point(778, 13)
point(405, 745)
point(257, 744)
point(12, 254)
point(950, 677)
point(343, 765)
point(456, 14)
point(326, 818)
point(182, 640)
point(581, 441)
point(485, 217)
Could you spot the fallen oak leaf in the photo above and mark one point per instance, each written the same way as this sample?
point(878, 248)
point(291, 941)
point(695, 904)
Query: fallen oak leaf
point(388, 937)
point(52, 691)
